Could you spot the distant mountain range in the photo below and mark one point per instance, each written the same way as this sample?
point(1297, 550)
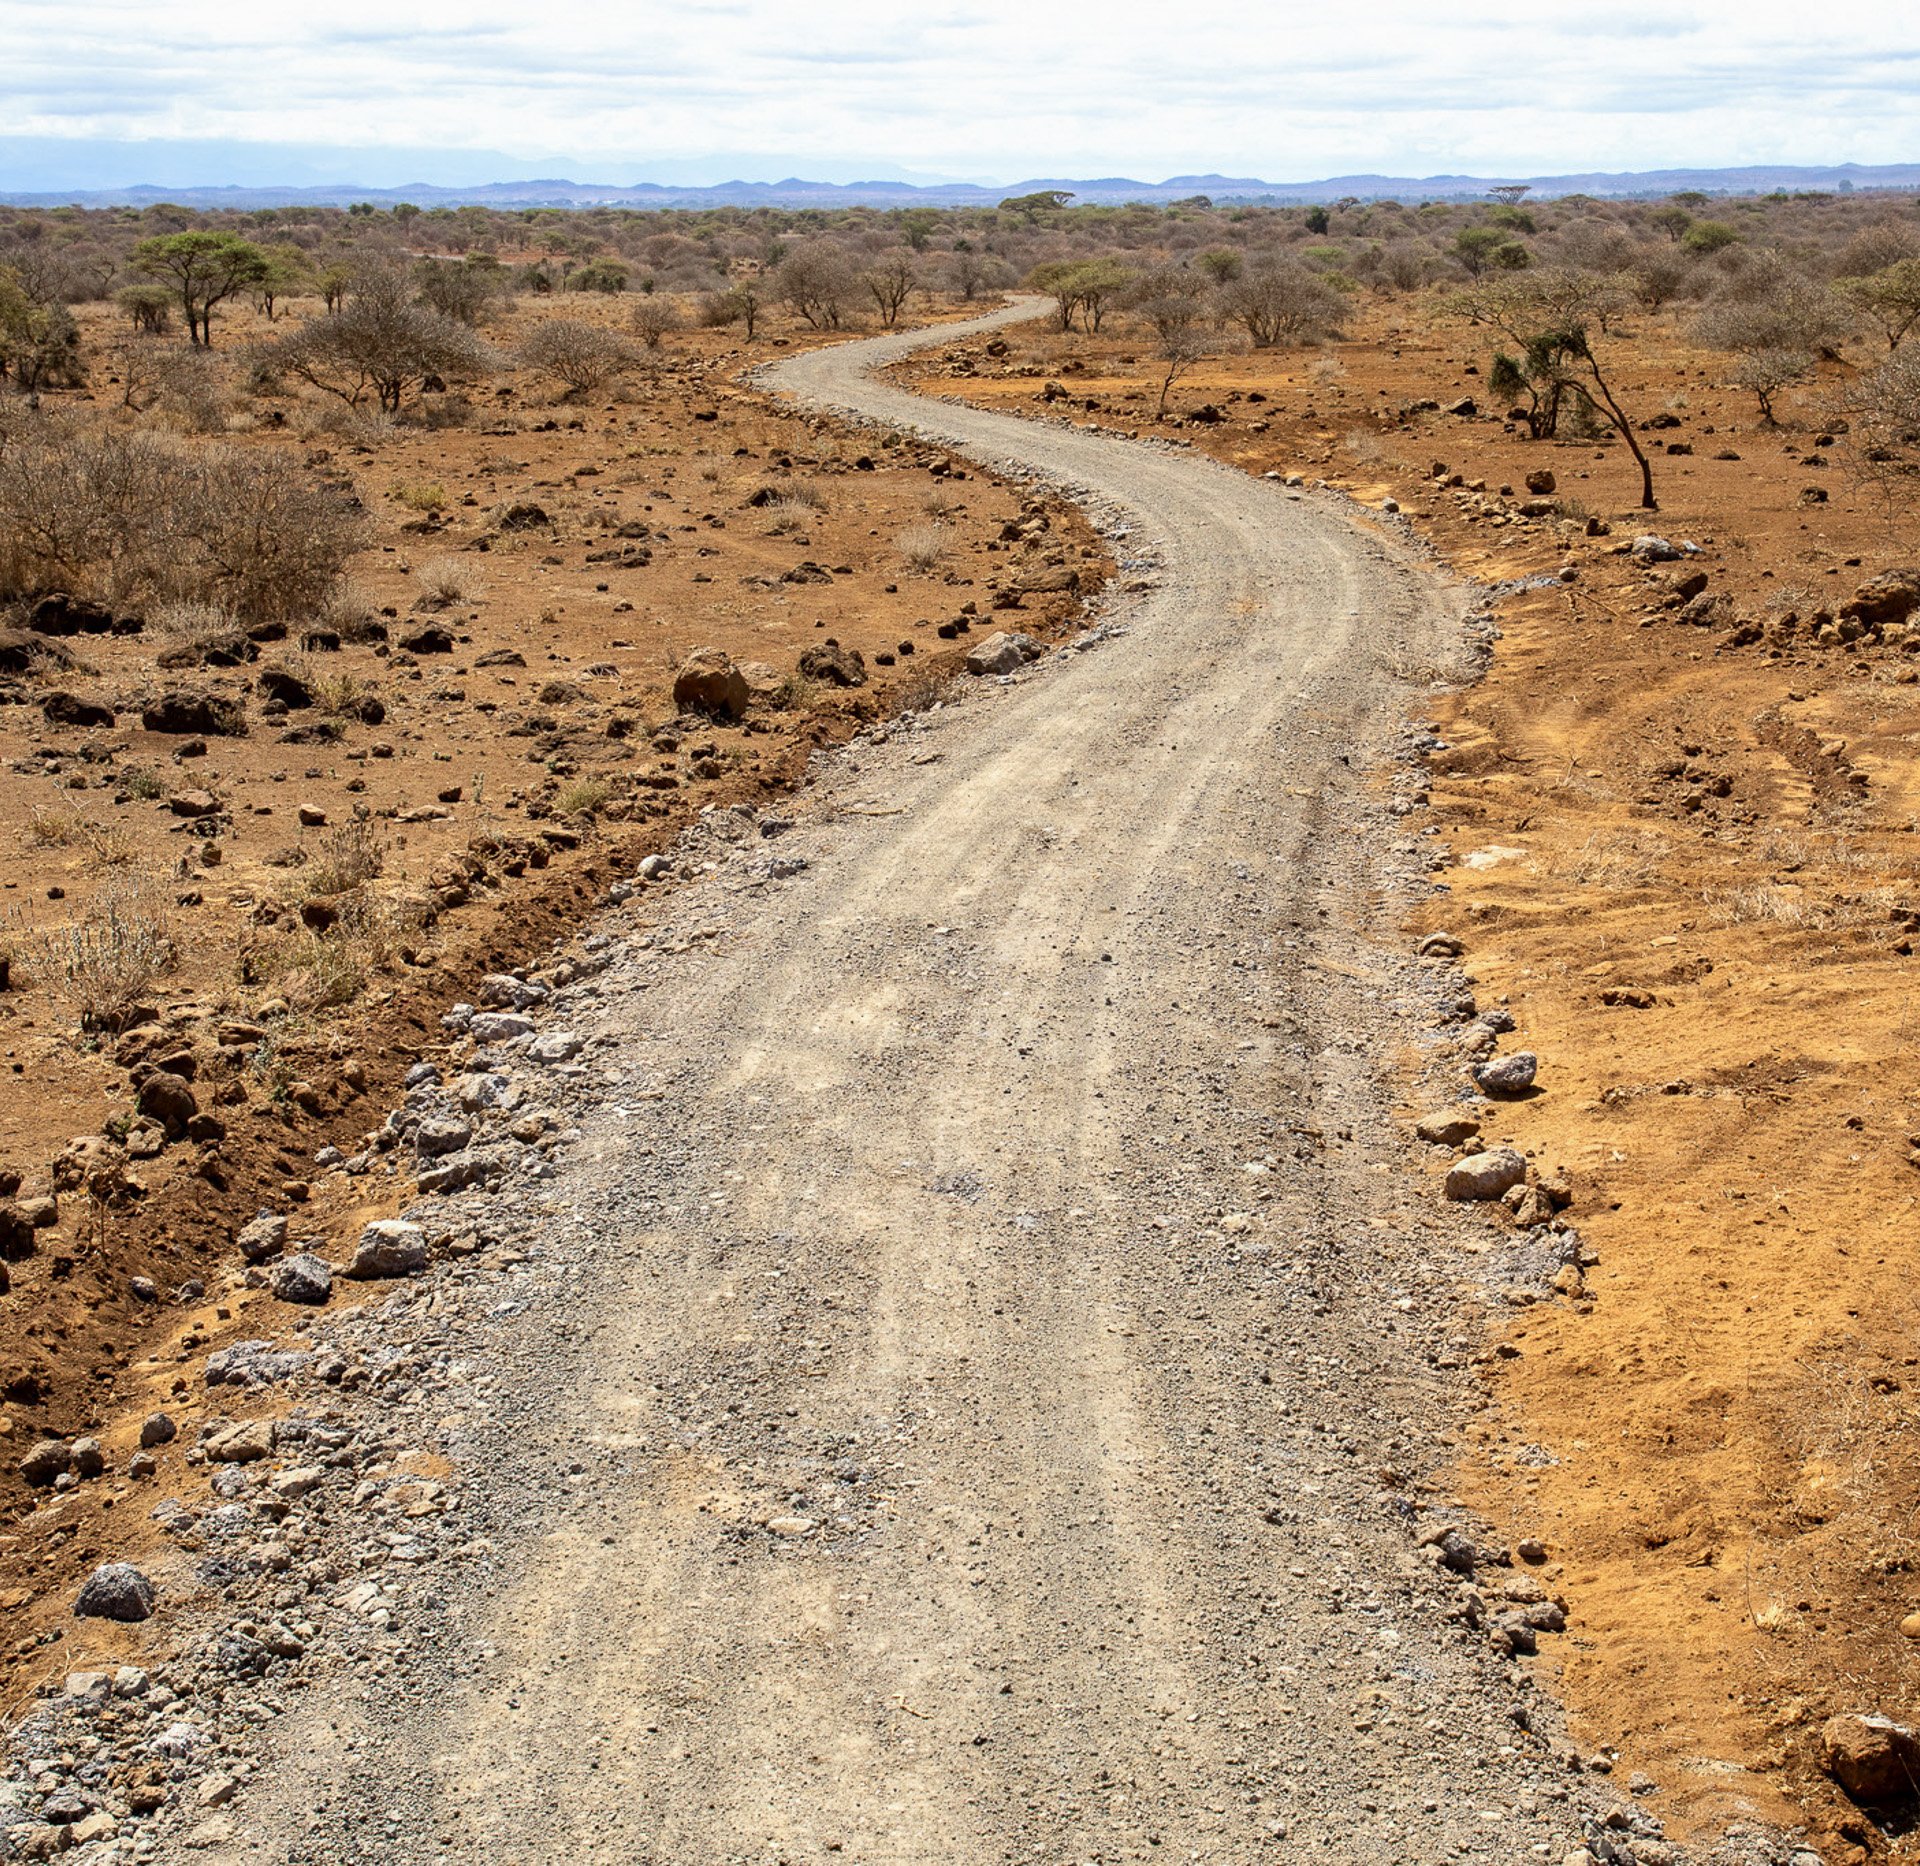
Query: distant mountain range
point(26, 180)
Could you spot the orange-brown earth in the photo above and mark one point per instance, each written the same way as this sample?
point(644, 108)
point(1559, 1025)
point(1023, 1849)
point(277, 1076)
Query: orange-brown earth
point(1684, 856)
point(499, 797)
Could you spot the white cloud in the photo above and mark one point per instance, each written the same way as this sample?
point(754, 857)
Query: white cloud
point(987, 87)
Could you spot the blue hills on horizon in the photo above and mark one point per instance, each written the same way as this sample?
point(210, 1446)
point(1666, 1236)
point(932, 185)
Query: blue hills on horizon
point(44, 171)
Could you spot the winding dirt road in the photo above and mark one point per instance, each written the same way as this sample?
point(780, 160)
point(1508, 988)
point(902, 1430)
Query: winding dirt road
point(986, 1342)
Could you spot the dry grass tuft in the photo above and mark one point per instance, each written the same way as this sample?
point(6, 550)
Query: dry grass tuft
point(785, 516)
point(113, 955)
point(582, 797)
point(921, 547)
point(344, 859)
point(446, 582)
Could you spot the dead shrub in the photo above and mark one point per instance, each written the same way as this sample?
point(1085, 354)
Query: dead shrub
point(784, 516)
point(583, 356)
point(112, 956)
point(136, 519)
point(921, 547)
point(447, 582)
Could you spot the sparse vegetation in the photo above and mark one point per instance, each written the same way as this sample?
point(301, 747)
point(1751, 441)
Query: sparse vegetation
point(583, 356)
point(921, 547)
point(113, 954)
point(448, 583)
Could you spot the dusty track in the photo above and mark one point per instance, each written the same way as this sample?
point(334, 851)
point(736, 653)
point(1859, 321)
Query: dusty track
point(1021, 1235)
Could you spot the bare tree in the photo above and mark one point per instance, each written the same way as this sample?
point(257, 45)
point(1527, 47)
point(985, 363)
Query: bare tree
point(817, 282)
point(653, 317)
point(583, 356)
point(1280, 302)
point(1775, 320)
point(889, 283)
point(1883, 416)
point(1177, 308)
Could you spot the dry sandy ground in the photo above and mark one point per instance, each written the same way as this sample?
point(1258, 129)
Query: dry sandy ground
point(993, 1349)
point(1687, 861)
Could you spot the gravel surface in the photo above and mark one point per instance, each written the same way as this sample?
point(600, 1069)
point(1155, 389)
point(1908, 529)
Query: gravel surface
point(934, 1350)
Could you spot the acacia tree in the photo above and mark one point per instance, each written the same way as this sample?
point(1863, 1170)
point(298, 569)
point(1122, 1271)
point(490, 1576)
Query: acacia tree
point(1552, 317)
point(382, 343)
point(206, 269)
point(1775, 320)
point(39, 342)
point(1890, 298)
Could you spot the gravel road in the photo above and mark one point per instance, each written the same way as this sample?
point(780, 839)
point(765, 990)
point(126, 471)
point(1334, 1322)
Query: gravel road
point(969, 1394)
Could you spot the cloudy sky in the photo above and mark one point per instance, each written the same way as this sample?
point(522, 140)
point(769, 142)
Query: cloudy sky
point(994, 90)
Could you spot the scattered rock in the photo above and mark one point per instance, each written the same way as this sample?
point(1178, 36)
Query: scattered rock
point(1507, 1075)
point(389, 1247)
point(1446, 1130)
point(1876, 1760)
point(1485, 1175)
point(253, 1364)
point(69, 709)
point(117, 1591)
point(157, 1428)
point(187, 714)
point(1892, 596)
point(708, 682)
point(48, 1459)
point(838, 666)
point(241, 1441)
point(1002, 654)
point(441, 1133)
point(169, 1100)
point(263, 1237)
point(499, 1026)
point(304, 1277)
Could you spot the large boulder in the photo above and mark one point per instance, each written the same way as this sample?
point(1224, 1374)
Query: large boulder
point(118, 1591)
point(188, 714)
point(1892, 596)
point(1488, 1175)
point(389, 1247)
point(838, 666)
point(708, 682)
point(1876, 1760)
point(1001, 654)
